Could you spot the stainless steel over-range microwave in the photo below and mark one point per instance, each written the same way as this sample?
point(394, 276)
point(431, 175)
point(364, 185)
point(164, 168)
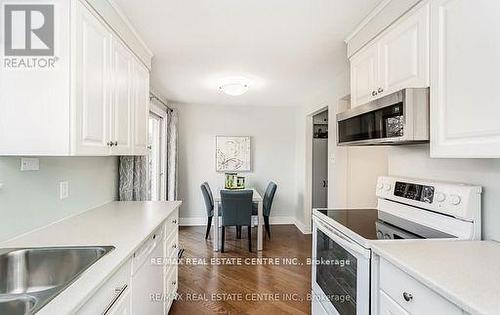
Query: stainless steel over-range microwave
point(398, 118)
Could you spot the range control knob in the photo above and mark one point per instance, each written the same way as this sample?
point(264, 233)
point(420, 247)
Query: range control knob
point(380, 186)
point(387, 236)
point(387, 187)
point(380, 235)
point(455, 200)
point(440, 197)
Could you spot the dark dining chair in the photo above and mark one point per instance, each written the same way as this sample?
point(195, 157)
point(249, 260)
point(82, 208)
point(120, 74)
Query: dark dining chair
point(237, 207)
point(209, 205)
point(267, 204)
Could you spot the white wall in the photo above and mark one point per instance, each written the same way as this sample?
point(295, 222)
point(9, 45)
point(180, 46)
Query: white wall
point(414, 161)
point(29, 200)
point(274, 153)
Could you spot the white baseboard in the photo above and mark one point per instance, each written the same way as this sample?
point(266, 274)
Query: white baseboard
point(278, 220)
point(200, 221)
point(302, 227)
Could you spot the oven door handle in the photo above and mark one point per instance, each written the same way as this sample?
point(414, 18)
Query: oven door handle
point(343, 240)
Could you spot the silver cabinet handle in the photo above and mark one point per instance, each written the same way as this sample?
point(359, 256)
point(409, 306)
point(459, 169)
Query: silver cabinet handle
point(407, 296)
point(380, 90)
point(374, 93)
point(118, 294)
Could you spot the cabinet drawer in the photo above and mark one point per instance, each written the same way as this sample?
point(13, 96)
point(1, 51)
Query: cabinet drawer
point(421, 300)
point(171, 284)
point(109, 291)
point(172, 223)
point(172, 245)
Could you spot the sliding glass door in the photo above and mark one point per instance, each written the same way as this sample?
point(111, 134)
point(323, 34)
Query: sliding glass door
point(157, 154)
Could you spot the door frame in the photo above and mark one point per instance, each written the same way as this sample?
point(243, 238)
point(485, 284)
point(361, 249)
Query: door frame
point(161, 112)
point(309, 165)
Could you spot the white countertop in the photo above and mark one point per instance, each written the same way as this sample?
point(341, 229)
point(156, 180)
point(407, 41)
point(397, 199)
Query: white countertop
point(467, 273)
point(121, 224)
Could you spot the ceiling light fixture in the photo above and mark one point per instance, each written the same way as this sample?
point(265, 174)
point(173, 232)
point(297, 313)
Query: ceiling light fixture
point(234, 86)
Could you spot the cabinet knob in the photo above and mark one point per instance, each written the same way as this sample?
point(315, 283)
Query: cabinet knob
point(174, 282)
point(374, 93)
point(110, 143)
point(407, 296)
point(174, 246)
point(116, 143)
point(380, 90)
point(174, 221)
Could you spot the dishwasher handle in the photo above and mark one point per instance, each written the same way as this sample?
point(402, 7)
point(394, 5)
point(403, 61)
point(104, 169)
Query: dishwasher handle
point(118, 293)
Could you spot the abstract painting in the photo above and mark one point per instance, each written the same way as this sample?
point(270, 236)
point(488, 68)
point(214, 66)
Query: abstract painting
point(232, 154)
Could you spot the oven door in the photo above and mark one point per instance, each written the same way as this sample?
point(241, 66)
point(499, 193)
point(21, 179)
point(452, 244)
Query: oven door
point(340, 272)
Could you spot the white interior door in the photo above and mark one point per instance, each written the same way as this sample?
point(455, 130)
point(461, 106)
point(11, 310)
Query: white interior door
point(320, 173)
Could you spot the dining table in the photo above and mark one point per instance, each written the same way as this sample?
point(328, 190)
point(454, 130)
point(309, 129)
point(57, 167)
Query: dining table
point(257, 198)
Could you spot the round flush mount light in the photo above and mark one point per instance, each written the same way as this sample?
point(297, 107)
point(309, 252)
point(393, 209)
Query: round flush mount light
point(234, 86)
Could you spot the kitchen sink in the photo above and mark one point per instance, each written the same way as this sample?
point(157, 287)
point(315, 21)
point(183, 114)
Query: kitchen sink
point(31, 277)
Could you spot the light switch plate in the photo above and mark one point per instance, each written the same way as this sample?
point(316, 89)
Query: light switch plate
point(63, 190)
point(30, 164)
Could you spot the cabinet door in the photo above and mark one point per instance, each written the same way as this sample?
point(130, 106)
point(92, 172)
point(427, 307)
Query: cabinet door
point(122, 306)
point(141, 108)
point(363, 76)
point(404, 54)
point(91, 88)
point(388, 306)
point(122, 105)
point(464, 69)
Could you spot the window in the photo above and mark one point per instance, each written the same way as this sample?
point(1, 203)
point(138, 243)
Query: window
point(157, 153)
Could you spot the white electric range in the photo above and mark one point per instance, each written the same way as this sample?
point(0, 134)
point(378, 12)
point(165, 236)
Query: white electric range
point(407, 209)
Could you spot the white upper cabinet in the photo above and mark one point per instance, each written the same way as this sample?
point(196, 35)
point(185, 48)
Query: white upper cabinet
point(464, 96)
point(363, 76)
point(92, 88)
point(141, 109)
point(122, 102)
point(396, 59)
point(404, 54)
point(92, 100)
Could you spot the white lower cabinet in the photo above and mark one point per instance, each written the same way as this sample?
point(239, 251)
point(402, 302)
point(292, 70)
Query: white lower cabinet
point(147, 283)
point(113, 297)
point(147, 276)
point(400, 294)
point(388, 306)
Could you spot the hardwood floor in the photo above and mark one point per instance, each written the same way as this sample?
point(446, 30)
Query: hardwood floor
point(234, 282)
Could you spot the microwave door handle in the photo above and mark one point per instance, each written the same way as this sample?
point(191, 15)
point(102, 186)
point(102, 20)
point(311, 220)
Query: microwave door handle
point(343, 241)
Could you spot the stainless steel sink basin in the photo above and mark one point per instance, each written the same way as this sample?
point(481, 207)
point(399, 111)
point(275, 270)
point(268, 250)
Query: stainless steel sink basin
point(31, 277)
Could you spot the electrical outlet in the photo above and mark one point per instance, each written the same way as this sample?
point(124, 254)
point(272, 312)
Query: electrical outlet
point(30, 164)
point(63, 190)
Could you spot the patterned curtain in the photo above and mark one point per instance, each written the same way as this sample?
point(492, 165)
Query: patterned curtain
point(172, 122)
point(133, 178)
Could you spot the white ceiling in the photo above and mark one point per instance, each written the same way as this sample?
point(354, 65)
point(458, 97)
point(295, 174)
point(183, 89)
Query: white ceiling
point(291, 50)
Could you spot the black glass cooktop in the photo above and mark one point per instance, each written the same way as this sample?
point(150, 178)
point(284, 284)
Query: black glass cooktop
point(373, 224)
point(360, 221)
